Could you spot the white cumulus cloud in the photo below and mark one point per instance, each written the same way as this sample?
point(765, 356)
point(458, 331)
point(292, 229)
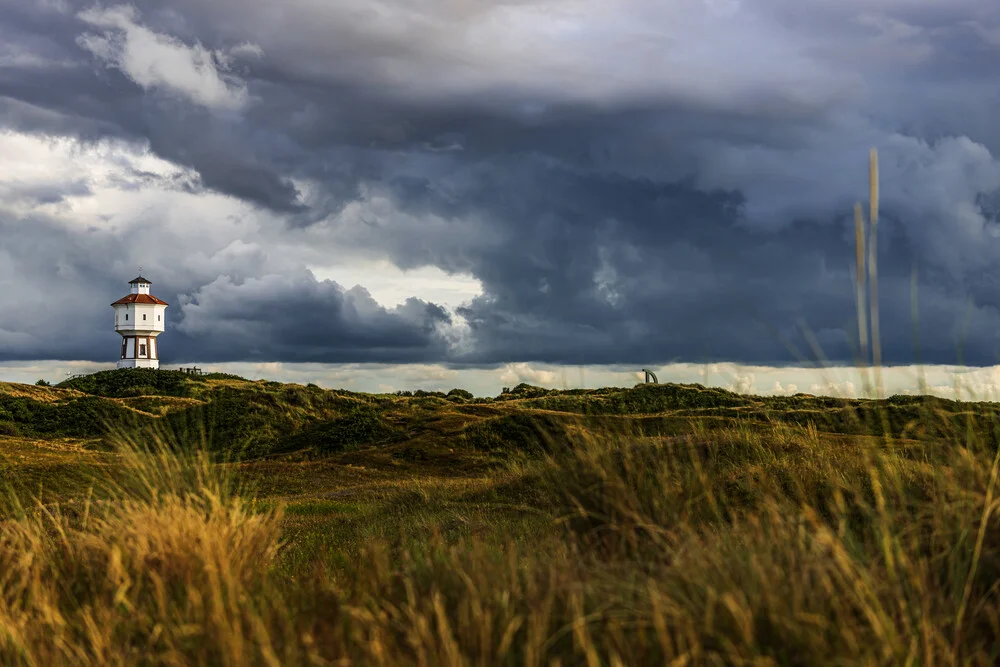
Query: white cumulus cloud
point(154, 60)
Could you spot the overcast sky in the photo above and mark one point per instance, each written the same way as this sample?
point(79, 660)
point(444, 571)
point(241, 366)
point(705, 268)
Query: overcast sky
point(465, 188)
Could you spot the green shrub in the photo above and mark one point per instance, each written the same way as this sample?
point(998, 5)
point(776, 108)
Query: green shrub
point(519, 432)
point(125, 382)
point(420, 393)
point(234, 422)
point(647, 398)
point(459, 395)
point(138, 390)
point(360, 426)
point(523, 390)
point(221, 376)
point(86, 417)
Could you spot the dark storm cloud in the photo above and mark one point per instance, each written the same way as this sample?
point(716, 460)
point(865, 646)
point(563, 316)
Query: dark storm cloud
point(54, 311)
point(635, 182)
point(299, 319)
point(60, 89)
point(630, 270)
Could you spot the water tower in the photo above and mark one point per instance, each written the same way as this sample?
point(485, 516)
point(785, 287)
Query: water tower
point(139, 320)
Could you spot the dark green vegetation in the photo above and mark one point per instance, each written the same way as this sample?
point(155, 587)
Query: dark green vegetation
point(651, 525)
point(237, 418)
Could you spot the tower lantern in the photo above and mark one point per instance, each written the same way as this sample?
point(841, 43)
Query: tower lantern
point(139, 319)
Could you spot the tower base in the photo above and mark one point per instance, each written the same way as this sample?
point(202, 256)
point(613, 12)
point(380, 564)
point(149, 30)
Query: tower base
point(138, 363)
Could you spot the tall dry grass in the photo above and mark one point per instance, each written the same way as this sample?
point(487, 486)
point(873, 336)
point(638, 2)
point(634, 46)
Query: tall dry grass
point(164, 568)
point(748, 547)
point(805, 556)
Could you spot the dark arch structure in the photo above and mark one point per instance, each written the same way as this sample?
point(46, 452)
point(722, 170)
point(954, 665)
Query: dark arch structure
point(650, 374)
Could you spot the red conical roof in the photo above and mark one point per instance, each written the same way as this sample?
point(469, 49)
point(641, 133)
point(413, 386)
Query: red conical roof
point(140, 298)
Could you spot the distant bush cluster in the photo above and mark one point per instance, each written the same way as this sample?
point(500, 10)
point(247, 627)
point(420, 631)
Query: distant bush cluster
point(362, 425)
point(127, 382)
point(85, 417)
point(519, 432)
point(257, 418)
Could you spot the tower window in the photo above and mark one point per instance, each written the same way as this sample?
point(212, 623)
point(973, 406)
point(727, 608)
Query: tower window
point(157, 318)
point(126, 317)
point(142, 350)
point(144, 317)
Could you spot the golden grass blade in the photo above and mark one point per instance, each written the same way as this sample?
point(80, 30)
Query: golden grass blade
point(859, 243)
point(988, 509)
point(873, 186)
point(914, 308)
point(873, 272)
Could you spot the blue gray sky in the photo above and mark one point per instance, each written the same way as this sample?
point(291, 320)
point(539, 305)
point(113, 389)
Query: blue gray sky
point(459, 192)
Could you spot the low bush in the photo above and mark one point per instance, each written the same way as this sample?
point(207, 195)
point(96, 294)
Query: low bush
point(459, 395)
point(360, 426)
point(518, 432)
point(125, 382)
point(86, 417)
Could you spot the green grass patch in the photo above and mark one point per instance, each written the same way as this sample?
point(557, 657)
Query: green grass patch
point(323, 507)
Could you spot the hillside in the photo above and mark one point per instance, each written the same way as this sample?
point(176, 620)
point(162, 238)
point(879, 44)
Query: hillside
point(241, 420)
point(237, 418)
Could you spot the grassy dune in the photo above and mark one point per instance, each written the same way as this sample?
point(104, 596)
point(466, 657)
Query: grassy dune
point(653, 525)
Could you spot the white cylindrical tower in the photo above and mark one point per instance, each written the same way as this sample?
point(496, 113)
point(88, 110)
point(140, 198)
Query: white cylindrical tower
point(139, 318)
